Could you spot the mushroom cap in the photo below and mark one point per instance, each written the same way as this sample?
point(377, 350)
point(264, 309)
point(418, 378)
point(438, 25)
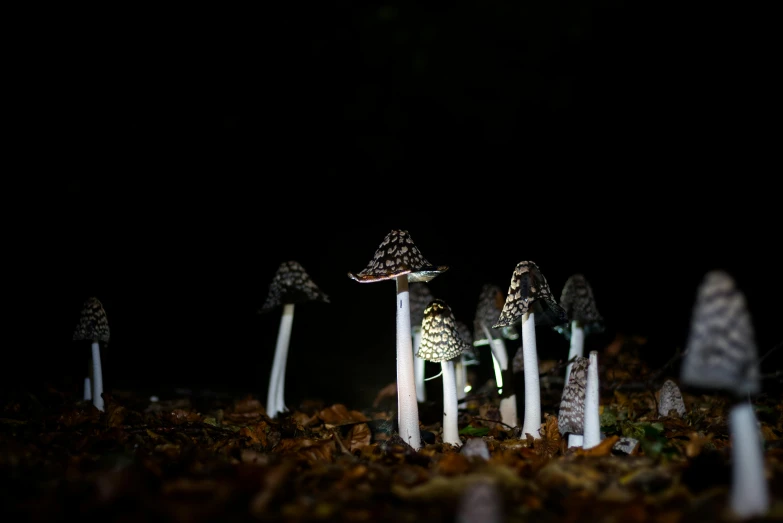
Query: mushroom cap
point(440, 338)
point(396, 256)
point(529, 292)
point(93, 324)
point(670, 398)
point(490, 304)
point(721, 349)
point(571, 416)
point(291, 284)
point(469, 354)
point(579, 305)
point(419, 297)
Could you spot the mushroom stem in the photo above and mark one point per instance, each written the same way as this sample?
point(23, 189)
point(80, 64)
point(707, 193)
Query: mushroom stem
point(418, 369)
point(532, 421)
point(450, 411)
point(749, 490)
point(577, 345)
point(592, 430)
point(275, 398)
point(97, 396)
point(575, 440)
point(508, 405)
point(407, 407)
point(461, 371)
point(88, 382)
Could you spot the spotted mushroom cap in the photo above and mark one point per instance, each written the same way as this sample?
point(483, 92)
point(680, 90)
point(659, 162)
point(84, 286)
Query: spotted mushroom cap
point(579, 305)
point(419, 296)
point(396, 256)
point(670, 398)
point(291, 284)
point(571, 416)
point(721, 349)
point(440, 337)
point(488, 309)
point(529, 292)
point(93, 324)
point(469, 354)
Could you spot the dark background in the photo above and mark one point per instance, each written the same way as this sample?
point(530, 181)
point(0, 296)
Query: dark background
point(171, 162)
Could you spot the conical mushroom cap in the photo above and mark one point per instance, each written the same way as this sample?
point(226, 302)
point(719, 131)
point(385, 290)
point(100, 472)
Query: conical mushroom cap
point(469, 354)
point(721, 349)
point(93, 324)
point(571, 416)
point(440, 338)
point(529, 292)
point(291, 284)
point(670, 398)
point(579, 305)
point(419, 297)
point(488, 308)
point(398, 255)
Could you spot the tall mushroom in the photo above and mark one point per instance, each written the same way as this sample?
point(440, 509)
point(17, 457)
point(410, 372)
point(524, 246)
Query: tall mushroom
point(94, 326)
point(420, 297)
point(592, 435)
point(397, 258)
point(442, 342)
point(488, 309)
point(721, 355)
point(291, 285)
point(578, 302)
point(530, 300)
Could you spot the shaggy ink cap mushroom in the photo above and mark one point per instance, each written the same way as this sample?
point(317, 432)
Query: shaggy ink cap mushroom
point(440, 337)
point(93, 324)
point(488, 308)
point(529, 292)
point(670, 399)
point(571, 416)
point(291, 284)
point(578, 302)
point(396, 256)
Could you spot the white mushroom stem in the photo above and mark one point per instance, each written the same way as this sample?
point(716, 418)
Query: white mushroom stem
point(97, 376)
point(749, 489)
point(461, 371)
point(532, 422)
point(575, 440)
point(418, 368)
point(508, 405)
point(407, 407)
point(592, 430)
point(275, 397)
point(577, 347)
point(88, 382)
point(450, 412)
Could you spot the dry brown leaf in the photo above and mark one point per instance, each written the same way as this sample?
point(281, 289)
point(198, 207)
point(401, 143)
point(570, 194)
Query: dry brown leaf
point(602, 449)
point(338, 414)
point(359, 436)
point(452, 464)
point(386, 393)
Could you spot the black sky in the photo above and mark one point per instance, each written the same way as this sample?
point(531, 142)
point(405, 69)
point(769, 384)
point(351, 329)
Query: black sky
point(178, 166)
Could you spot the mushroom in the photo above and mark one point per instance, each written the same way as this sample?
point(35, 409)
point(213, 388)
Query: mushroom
point(571, 415)
point(397, 258)
point(441, 342)
point(530, 299)
point(592, 434)
point(670, 399)
point(583, 317)
point(291, 285)
point(420, 297)
point(467, 358)
point(721, 355)
point(94, 327)
point(488, 309)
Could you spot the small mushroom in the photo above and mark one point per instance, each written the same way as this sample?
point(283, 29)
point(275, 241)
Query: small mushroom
point(670, 399)
point(530, 300)
point(397, 258)
point(578, 303)
point(721, 354)
point(441, 342)
point(488, 309)
point(420, 297)
point(571, 416)
point(290, 286)
point(93, 326)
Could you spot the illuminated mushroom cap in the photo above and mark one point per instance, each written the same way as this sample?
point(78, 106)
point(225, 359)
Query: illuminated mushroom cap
point(670, 399)
point(579, 305)
point(440, 337)
point(490, 304)
point(571, 416)
point(721, 348)
point(419, 297)
point(291, 284)
point(398, 255)
point(529, 292)
point(93, 324)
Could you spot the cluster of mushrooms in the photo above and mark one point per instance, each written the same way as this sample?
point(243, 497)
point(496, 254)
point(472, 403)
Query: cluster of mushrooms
point(720, 354)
